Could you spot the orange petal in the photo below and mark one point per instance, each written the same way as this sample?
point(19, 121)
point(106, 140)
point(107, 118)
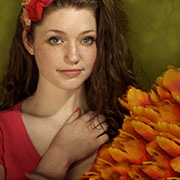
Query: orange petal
point(168, 146)
point(175, 164)
point(122, 168)
point(124, 178)
point(133, 154)
point(144, 120)
point(103, 159)
point(169, 128)
point(153, 148)
point(137, 97)
point(152, 169)
point(159, 156)
point(176, 96)
point(127, 127)
point(170, 137)
point(171, 80)
point(169, 112)
point(126, 135)
point(107, 173)
point(148, 113)
point(136, 150)
point(163, 93)
point(173, 178)
point(159, 81)
point(144, 130)
point(153, 96)
point(137, 174)
point(119, 155)
point(113, 173)
point(91, 176)
point(123, 102)
point(118, 143)
point(132, 150)
point(102, 164)
point(104, 153)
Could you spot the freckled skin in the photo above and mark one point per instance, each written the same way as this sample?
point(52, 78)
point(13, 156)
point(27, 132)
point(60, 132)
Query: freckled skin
point(71, 48)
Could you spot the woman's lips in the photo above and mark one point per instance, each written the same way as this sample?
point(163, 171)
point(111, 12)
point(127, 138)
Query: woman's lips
point(71, 72)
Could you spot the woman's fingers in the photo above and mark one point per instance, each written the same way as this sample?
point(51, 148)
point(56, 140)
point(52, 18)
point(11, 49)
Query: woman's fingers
point(102, 139)
point(89, 116)
point(98, 124)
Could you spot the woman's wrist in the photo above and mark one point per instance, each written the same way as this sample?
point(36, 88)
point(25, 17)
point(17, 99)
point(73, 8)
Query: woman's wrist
point(36, 176)
point(50, 167)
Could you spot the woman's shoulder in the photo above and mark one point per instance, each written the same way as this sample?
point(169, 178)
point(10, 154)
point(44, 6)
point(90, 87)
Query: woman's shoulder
point(6, 115)
point(10, 113)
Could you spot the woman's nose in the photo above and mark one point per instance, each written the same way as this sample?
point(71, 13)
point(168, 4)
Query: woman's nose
point(72, 54)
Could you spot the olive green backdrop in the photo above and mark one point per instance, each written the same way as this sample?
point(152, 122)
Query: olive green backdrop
point(154, 35)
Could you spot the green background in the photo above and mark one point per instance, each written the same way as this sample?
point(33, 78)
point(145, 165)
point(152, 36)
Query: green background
point(154, 35)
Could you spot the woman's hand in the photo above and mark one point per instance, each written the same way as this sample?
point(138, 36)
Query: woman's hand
point(81, 136)
point(78, 138)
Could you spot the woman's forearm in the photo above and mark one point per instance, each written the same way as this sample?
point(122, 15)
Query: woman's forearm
point(49, 168)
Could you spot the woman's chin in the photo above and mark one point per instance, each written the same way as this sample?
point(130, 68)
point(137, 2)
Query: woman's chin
point(72, 86)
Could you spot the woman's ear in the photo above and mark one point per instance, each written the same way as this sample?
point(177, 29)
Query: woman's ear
point(27, 44)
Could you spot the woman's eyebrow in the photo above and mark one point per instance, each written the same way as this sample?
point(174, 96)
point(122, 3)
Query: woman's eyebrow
point(62, 32)
point(56, 31)
point(88, 31)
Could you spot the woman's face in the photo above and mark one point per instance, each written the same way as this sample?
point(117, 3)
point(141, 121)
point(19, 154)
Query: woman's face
point(64, 47)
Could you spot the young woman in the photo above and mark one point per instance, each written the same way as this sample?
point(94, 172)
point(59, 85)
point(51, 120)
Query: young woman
point(69, 62)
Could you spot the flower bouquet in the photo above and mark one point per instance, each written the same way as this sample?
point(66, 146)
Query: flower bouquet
point(148, 144)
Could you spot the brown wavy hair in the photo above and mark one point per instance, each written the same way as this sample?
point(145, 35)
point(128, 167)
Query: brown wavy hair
point(112, 71)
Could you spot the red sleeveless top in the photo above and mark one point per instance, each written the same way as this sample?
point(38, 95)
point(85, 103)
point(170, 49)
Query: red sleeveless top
point(17, 153)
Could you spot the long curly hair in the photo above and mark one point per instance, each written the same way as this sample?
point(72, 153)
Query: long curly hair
point(112, 71)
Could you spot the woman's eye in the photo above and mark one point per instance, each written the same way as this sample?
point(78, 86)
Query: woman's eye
point(55, 40)
point(88, 40)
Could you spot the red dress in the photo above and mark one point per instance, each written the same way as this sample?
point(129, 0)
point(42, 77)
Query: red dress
point(17, 153)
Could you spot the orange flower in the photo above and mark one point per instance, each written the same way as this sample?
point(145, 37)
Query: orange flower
point(148, 144)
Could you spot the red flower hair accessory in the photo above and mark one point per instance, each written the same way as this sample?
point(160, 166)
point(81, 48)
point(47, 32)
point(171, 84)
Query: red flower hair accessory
point(32, 11)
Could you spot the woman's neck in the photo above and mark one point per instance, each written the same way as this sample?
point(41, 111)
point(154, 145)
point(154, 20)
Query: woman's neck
point(47, 103)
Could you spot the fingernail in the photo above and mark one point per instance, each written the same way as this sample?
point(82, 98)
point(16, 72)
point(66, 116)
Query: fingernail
point(77, 109)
